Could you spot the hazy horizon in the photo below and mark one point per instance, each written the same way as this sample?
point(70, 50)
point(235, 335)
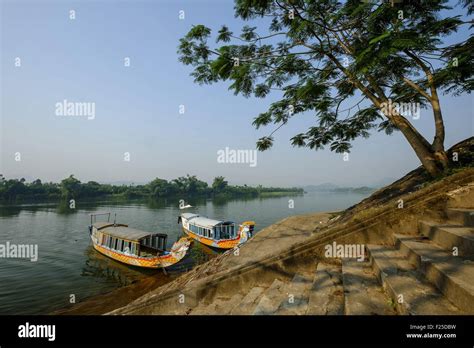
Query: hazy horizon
point(137, 107)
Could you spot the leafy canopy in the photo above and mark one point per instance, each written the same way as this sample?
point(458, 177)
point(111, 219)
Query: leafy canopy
point(320, 53)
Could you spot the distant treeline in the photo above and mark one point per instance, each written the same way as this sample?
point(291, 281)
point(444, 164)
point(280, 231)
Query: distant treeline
point(185, 186)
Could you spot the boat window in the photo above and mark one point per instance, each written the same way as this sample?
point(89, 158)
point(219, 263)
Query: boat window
point(224, 232)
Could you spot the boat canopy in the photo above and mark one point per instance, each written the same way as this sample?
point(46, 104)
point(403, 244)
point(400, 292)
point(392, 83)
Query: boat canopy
point(123, 232)
point(202, 221)
point(100, 225)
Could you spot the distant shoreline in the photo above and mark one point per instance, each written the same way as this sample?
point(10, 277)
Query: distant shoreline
point(182, 188)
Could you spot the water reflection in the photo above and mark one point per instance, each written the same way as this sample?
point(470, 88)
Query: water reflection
point(101, 266)
point(65, 207)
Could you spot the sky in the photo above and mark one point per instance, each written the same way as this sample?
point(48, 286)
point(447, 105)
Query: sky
point(137, 132)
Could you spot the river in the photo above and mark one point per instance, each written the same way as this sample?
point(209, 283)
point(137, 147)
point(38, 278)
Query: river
point(68, 268)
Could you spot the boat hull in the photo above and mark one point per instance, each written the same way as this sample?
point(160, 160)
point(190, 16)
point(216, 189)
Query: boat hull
point(222, 244)
point(146, 262)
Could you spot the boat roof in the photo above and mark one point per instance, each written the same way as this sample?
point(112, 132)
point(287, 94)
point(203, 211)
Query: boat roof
point(101, 224)
point(121, 231)
point(203, 221)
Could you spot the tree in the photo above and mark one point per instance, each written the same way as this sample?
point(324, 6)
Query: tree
point(319, 53)
point(160, 188)
point(12, 188)
point(70, 187)
point(219, 184)
point(190, 185)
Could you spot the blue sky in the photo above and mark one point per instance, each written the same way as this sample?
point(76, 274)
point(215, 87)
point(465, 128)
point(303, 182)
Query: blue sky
point(137, 106)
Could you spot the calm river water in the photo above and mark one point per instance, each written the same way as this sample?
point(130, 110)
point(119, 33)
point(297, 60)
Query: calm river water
point(68, 265)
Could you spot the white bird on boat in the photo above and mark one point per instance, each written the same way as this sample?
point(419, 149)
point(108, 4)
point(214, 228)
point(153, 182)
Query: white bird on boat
point(185, 206)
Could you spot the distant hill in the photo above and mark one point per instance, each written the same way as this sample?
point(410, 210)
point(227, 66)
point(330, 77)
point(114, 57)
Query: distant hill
point(329, 187)
point(321, 187)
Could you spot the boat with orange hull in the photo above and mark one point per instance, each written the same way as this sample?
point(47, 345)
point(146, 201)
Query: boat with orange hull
point(135, 247)
point(215, 233)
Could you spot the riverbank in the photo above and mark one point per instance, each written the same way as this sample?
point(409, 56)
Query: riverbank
point(275, 252)
point(282, 234)
point(294, 248)
point(18, 190)
point(285, 255)
point(103, 303)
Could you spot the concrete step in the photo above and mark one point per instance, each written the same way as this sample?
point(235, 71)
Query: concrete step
point(296, 302)
point(249, 302)
point(224, 306)
point(363, 294)
point(201, 309)
point(218, 306)
point(452, 275)
point(326, 296)
point(449, 237)
point(464, 217)
point(410, 292)
point(272, 298)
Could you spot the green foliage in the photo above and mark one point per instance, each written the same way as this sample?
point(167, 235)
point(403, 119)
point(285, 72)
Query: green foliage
point(72, 188)
point(219, 184)
point(325, 53)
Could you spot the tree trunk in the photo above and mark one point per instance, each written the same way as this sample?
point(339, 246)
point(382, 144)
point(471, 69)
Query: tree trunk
point(432, 161)
point(438, 142)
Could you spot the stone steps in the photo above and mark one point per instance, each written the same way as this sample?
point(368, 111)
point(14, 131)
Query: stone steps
point(363, 294)
point(450, 236)
point(296, 302)
point(410, 293)
point(326, 296)
point(464, 217)
point(420, 275)
point(247, 305)
point(452, 275)
point(219, 306)
point(272, 298)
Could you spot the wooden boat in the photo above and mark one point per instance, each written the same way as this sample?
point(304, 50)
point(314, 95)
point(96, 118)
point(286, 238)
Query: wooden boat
point(215, 233)
point(135, 247)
